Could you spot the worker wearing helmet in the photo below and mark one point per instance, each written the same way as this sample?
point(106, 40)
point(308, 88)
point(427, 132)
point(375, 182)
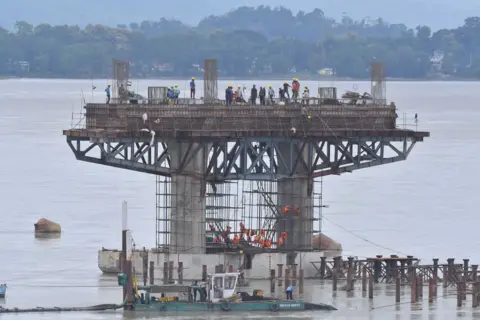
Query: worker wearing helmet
point(271, 94)
point(176, 92)
point(192, 88)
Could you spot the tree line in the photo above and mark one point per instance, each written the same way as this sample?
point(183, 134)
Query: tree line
point(247, 42)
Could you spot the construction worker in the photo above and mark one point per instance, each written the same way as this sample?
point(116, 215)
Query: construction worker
point(306, 95)
point(192, 88)
point(229, 95)
point(281, 94)
point(170, 94)
point(176, 92)
point(285, 90)
point(107, 91)
point(253, 95)
point(289, 292)
point(261, 95)
point(295, 88)
point(271, 94)
point(240, 94)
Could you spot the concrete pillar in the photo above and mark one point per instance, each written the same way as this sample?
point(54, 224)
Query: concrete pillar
point(187, 224)
point(295, 193)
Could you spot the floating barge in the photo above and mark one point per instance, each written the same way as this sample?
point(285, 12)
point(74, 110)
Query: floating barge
point(218, 293)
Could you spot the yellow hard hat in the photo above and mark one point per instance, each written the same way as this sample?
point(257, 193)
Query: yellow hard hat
point(108, 85)
point(309, 117)
point(269, 86)
point(176, 85)
point(239, 86)
point(193, 78)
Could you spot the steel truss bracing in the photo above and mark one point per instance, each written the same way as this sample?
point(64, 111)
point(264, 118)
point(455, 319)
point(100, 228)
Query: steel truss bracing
point(131, 155)
point(260, 158)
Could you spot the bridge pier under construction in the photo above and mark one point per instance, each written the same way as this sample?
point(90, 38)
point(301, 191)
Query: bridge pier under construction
point(238, 177)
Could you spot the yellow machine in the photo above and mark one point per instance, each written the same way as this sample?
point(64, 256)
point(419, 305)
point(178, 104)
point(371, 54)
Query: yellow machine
point(258, 293)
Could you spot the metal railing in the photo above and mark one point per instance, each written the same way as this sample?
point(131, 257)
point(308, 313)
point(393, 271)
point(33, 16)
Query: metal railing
point(268, 101)
point(78, 120)
point(408, 121)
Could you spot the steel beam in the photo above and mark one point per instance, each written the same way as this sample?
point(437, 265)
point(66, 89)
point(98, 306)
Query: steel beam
point(252, 158)
point(137, 156)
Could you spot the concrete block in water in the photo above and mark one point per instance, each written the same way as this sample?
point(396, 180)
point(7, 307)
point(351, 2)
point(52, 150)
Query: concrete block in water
point(322, 242)
point(47, 226)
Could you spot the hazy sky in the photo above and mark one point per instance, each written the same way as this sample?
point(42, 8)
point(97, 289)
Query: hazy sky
point(437, 14)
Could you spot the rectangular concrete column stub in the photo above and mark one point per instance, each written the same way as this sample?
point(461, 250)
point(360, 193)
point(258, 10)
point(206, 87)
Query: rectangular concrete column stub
point(188, 201)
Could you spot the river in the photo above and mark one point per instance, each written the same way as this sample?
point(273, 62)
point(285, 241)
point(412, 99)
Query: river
point(424, 206)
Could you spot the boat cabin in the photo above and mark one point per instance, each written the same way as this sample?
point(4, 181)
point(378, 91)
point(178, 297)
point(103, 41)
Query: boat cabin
point(3, 291)
point(222, 286)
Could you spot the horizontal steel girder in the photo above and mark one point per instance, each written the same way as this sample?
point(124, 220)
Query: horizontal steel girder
point(261, 158)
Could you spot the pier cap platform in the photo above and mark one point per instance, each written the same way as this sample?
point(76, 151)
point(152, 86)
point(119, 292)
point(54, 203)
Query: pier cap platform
point(321, 134)
point(192, 120)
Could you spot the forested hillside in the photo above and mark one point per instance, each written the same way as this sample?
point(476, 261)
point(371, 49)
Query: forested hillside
point(249, 42)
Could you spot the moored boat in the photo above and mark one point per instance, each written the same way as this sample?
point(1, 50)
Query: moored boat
point(218, 293)
point(3, 290)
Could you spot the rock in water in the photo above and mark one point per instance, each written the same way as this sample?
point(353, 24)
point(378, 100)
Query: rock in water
point(47, 226)
point(322, 242)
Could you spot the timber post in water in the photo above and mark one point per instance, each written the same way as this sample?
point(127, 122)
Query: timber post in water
point(180, 272)
point(152, 272)
point(280, 274)
point(125, 258)
point(463, 277)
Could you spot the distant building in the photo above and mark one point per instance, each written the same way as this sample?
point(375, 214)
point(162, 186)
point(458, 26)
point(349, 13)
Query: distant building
point(326, 72)
point(370, 22)
point(163, 67)
point(198, 68)
point(121, 42)
point(24, 66)
point(436, 60)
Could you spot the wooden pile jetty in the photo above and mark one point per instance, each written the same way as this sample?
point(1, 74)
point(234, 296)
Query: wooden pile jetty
point(403, 271)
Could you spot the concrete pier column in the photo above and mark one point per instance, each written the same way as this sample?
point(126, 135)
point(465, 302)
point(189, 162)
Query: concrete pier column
point(298, 222)
point(187, 225)
point(296, 193)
